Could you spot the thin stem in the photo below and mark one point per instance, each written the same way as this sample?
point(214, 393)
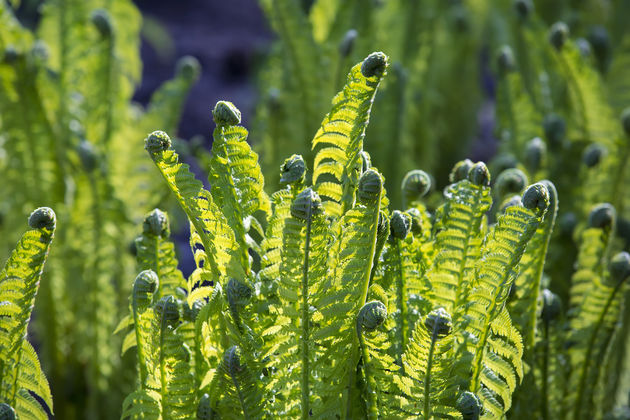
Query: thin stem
point(305, 321)
point(545, 373)
point(427, 376)
point(372, 407)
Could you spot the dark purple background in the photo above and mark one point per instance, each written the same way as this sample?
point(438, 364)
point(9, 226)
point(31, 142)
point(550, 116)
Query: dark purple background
point(227, 37)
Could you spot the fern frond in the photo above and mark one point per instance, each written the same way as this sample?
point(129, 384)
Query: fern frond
point(498, 347)
point(339, 141)
point(235, 175)
point(222, 252)
point(20, 372)
point(293, 347)
point(459, 239)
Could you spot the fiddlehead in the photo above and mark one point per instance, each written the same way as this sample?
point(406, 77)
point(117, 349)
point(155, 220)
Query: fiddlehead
point(415, 185)
point(293, 171)
point(7, 412)
point(470, 406)
point(510, 181)
point(238, 296)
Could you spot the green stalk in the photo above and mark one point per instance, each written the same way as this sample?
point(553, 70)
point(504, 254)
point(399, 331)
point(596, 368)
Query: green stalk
point(305, 321)
point(427, 376)
point(372, 407)
point(401, 299)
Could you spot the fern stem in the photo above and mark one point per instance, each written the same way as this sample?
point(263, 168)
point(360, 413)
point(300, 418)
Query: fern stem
point(401, 299)
point(589, 351)
point(427, 376)
point(372, 407)
point(305, 321)
point(241, 398)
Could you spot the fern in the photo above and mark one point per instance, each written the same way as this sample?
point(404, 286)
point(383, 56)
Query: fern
point(339, 142)
point(21, 377)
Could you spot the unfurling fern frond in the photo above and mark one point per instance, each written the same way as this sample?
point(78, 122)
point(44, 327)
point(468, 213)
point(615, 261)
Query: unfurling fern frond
point(498, 348)
point(235, 175)
point(339, 141)
point(236, 387)
point(294, 348)
point(221, 250)
point(460, 237)
point(429, 380)
point(155, 252)
point(168, 391)
point(21, 377)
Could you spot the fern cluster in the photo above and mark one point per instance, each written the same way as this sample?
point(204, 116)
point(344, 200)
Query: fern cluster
point(319, 301)
point(67, 122)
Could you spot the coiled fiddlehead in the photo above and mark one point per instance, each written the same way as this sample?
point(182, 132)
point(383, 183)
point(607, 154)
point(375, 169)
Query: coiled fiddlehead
point(460, 170)
point(306, 205)
point(536, 198)
point(225, 113)
point(156, 142)
point(558, 35)
point(510, 181)
point(293, 170)
point(238, 296)
point(204, 410)
point(602, 216)
point(103, 22)
point(370, 317)
point(593, 154)
point(415, 185)
point(156, 223)
point(470, 406)
point(374, 65)
point(370, 186)
point(42, 218)
point(144, 286)
point(479, 174)
point(400, 225)
point(167, 311)
point(6, 412)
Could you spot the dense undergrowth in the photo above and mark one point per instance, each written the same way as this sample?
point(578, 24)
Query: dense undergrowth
point(498, 296)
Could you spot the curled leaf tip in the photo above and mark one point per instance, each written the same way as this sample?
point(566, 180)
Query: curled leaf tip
point(416, 220)
point(536, 198)
point(167, 310)
point(510, 181)
point(620, 267)
point(370, 186)
point(102, 21)
point(374, 65)
point(593, 155)
point(479, 174)
point(371, 316)
point(469, 405)
point(602, 216)
point(156, 223)
point(552, 307)
point(438, 322)
point(505, 59)
point(158, 141)
point(523, 8)
point(382, 229)
point(535, 153)
point(366, 161)
point(144, 286)
point(306, 204)
point(232, 360)
point(555, 129)
point(400, 224)
point(7, 412)
point(225, 113)
point(238, 292)
point(415, 184)
point(188, 67)
point(347, 43)
point(558, 34)
point(42, 217)
point(293, 170)
point(460, 170)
